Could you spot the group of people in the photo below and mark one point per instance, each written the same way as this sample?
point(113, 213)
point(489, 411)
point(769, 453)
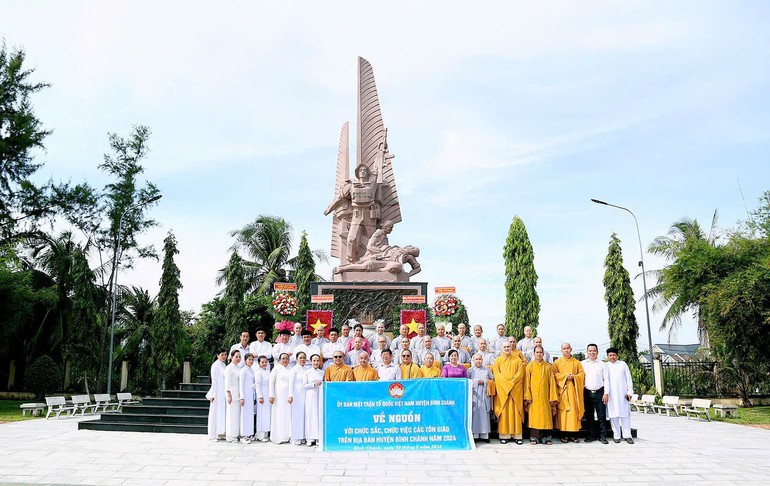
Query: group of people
point(272, 391)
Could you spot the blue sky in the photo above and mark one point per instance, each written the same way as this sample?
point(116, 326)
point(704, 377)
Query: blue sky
point(503, 109)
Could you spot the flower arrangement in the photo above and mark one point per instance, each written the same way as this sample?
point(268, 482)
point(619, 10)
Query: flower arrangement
point(445, 305)
point(287, 325)
point(284, 304)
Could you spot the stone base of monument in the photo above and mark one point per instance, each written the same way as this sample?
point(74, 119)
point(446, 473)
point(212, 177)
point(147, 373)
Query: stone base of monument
point(378, 299)
point(366, 276)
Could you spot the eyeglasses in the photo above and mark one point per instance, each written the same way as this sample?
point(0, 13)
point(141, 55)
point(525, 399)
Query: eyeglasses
point(406, 355)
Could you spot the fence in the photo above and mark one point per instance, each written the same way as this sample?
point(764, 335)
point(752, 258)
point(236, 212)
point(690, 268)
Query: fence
point(691, 379)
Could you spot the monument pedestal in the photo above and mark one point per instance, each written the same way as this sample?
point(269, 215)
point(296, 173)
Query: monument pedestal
point(381, 299)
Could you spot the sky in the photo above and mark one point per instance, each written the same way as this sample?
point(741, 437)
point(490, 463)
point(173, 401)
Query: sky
point(503, 109)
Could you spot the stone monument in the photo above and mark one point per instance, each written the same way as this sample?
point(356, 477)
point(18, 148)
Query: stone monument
point(365, 209)
point(373, 275)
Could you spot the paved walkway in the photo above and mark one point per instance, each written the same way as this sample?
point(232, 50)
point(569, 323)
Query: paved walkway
point(669, 450)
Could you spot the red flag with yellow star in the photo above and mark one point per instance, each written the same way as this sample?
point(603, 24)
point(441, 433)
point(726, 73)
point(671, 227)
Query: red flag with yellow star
point(319, 319)
point(412, 318)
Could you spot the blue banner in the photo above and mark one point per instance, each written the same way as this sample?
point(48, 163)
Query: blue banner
point(427, 414)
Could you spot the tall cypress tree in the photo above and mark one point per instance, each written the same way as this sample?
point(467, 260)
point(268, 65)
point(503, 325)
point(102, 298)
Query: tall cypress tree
point(235, 293)
point(305, 273)
point(621, 325)
point(168, 329)
point(83, 337)
point(522, 304)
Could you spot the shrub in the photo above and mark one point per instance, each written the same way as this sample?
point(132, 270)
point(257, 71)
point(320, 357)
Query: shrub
point(43, 377)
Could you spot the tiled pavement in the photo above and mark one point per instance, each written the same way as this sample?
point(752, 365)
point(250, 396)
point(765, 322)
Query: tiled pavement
point(669, 450)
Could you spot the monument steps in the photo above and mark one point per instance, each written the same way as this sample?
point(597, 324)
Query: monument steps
point(182, 411)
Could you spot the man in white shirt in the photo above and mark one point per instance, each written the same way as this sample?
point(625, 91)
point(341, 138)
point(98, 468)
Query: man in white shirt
point(374, 339)
point(334, 344)
point(242, 346)
point(260, 347)
point(307, 346)
point(388, 370)
point(376, 358)
point(283, 345)
point(595, 389)
point(496, 343)
point(617, 395)
point(527, 344)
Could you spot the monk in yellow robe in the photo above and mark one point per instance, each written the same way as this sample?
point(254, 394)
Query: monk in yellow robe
point(364, 372)
point(540, 397)
point(570, 379)
point(338, 371)
point(508, 370)
point(430, 369)
point(408, 368)
point(515, 351)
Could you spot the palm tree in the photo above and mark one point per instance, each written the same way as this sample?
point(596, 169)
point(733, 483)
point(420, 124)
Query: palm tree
point(266, 245)
point(672, 292)
point(133, 332)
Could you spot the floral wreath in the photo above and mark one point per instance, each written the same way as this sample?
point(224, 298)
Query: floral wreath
point(284, 304)
point(445, 305)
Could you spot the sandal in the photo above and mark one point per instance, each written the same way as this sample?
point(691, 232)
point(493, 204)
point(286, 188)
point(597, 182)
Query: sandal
point(519, 441)
point(564, 440)
point(548, 442)
point(533, 441)
point(503, 441)
point(576, 440)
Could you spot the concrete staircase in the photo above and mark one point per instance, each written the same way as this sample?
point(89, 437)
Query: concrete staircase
point(183, 411)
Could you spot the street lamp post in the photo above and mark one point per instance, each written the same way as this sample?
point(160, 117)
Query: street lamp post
point(115, 263)
point(644, 280)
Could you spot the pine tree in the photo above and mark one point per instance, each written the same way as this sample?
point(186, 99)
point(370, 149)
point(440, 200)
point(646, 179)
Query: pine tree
point(621, 326)
point(305, 273)
point(168, 330)
point(522, 304)
point(235, 293)
point(83, 337)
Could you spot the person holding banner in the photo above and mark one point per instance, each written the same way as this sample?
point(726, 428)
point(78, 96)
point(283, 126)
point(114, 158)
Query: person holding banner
point(328, 349)
point(262, 385)
point(430, 367)
point(452, 369)
point(508, 371)
point(217, 396)
point(338, 371)
point(482, 403)
point(233, 390)
point(388, 371)
point(280, 400)
point(409, 370)
point(314, 378)
point(248, 395)
point(540, 398)
point(297, 397)
point(364, 372)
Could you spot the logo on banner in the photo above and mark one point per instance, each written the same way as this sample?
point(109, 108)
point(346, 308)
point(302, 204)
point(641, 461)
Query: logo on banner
point(319, 319)
point(412, 318)
point(396, 390)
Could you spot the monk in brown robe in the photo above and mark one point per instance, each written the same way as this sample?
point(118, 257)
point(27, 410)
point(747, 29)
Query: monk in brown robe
point(508, 370)
point(570, 379)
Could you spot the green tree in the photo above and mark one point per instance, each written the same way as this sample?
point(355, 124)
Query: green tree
point(678, 297)
point(266, 243)
point(83, 337)
point(167, 333)
point(621, 325)
point(23, 203)
point(522, 304)
point(134, 337)
point(234, 295)
point(304, 273)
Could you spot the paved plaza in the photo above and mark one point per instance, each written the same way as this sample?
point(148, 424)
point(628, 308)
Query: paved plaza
point(668, 450)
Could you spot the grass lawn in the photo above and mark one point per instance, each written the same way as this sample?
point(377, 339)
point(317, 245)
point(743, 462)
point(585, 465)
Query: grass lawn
point(749, 416)
point(10, 411)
